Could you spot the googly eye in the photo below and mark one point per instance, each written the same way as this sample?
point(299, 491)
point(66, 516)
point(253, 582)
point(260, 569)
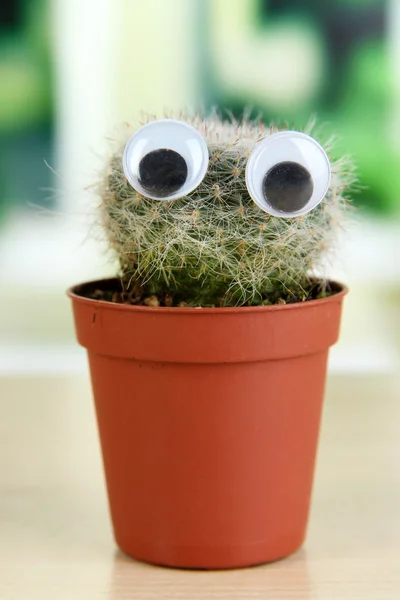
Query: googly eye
point(288, 174)
point(165, 159)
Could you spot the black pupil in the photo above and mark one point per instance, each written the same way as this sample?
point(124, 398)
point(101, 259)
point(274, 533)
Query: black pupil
point(162, 172)
point(288, 187)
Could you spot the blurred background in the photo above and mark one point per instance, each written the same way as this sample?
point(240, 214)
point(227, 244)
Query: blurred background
point(70, 71)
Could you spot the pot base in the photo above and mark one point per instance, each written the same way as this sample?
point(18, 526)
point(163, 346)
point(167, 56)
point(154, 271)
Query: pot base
point(210, 558)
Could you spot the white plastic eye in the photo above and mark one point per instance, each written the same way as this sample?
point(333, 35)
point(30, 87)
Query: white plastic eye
point(288, 174)
point(165, 159)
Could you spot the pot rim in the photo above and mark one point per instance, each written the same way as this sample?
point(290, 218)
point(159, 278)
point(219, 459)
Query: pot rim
point(72, 292)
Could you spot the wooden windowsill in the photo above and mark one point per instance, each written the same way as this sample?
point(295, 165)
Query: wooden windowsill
point(55, 536)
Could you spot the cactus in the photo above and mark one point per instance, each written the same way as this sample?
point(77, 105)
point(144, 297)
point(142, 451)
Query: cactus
point(215, 246)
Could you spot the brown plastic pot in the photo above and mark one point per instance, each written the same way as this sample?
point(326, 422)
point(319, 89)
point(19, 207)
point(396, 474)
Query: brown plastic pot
point(208, 421)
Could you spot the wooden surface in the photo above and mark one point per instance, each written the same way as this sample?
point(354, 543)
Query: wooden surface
point(55, 537)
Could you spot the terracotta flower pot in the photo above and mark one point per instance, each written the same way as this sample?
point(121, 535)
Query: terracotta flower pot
point(208, 421)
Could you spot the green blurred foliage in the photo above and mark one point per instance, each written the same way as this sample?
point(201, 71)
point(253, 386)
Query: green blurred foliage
point(26, 104)
point(363, 122)
point(355, 95)
point(25, 73)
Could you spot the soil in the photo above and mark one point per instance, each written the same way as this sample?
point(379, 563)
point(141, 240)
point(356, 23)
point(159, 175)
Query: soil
point(112, 291)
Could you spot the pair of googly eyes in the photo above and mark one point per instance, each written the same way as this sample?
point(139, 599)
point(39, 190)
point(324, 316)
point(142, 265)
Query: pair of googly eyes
point(287, 173)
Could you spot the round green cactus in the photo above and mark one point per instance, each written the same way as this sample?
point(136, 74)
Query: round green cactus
point(215, 246)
